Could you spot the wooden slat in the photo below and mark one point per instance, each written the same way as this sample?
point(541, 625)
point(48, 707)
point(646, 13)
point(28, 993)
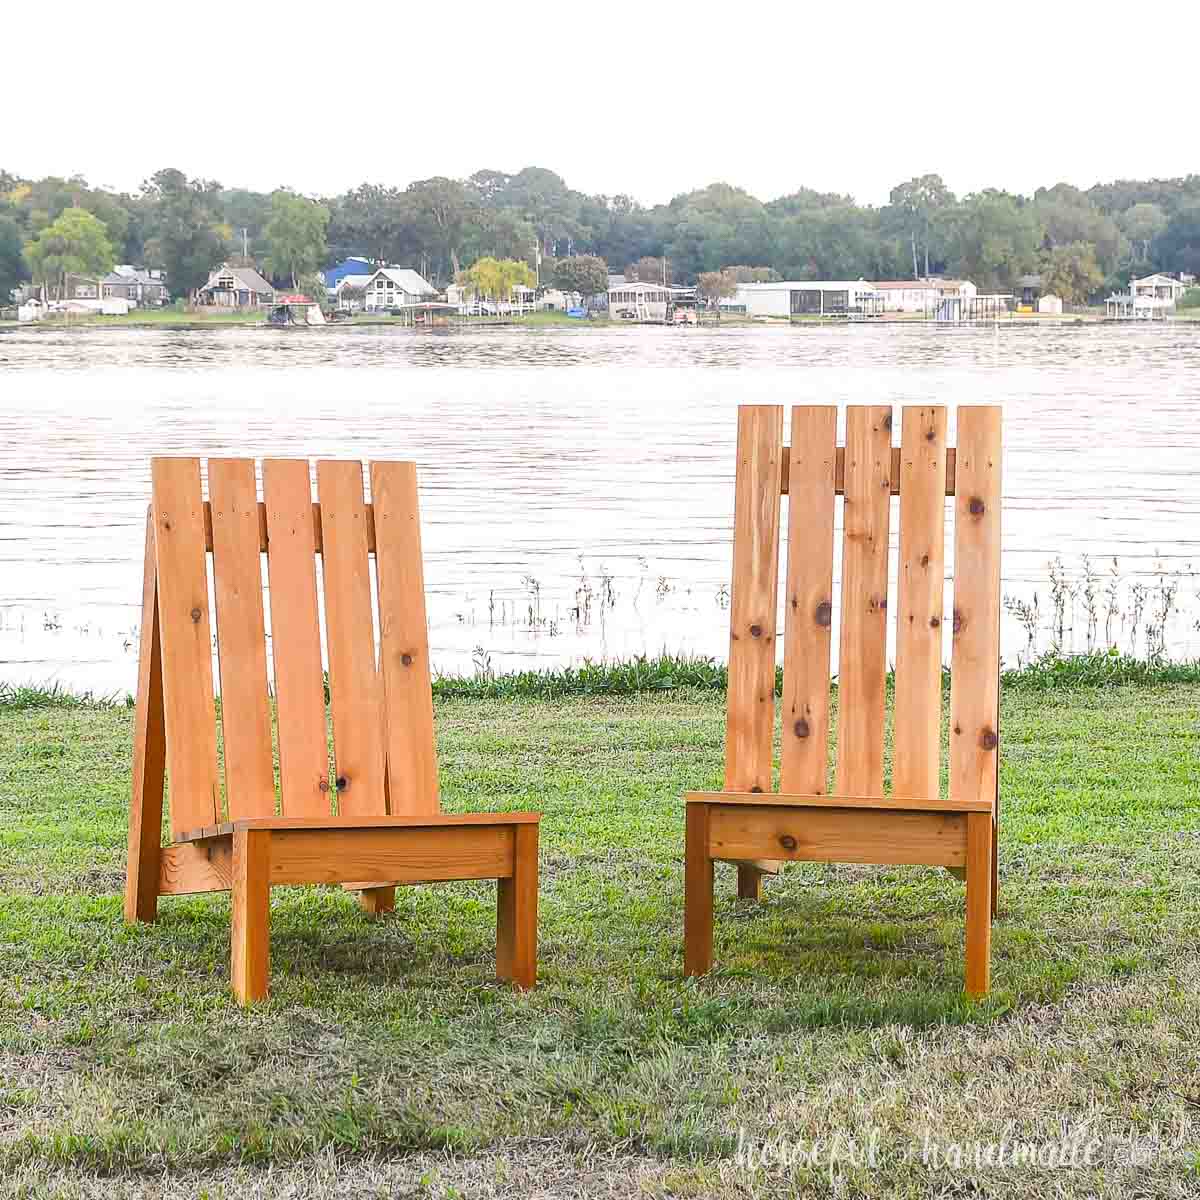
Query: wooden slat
point(975, 658)
point(409, 745)
point(435, 821)
point(241, 639)
point(862, 659)
point(296, 639)
point(149, 755)
point(264, 535)
point(190, 717)
point(918, 705)
point(750, 715)
point(396, 855)
point(796, 800)
point(697, 893)
point(808, 602)
point(850, 835)
point(839, 471)
point(354, 688)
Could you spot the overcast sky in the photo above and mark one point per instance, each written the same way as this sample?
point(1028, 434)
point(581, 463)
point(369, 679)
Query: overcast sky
point(649, 99)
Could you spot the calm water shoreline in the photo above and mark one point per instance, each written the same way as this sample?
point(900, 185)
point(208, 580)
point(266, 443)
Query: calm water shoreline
point(576, 489)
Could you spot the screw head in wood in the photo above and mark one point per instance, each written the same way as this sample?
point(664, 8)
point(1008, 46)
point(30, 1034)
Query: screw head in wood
point(988, 739)
point(976, 507)
point(787, 841)
point(801, 728)
point(406, 659)
point(342, 783)
point(756, 631)
point(824, 614)
point(195, 614)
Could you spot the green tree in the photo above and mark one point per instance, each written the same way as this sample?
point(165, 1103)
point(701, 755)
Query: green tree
point(295, 236)
point(495, 278)
point(187, 238)
point(584, 273)
point(76, 244)
point(12, 261)
point(919, 201)
point(1177, 248)
point(1141, 224)
point(1071, 272)
point(716, 285)
point(992, 239)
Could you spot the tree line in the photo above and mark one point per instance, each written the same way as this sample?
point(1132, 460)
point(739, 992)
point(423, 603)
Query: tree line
point(1083, 242)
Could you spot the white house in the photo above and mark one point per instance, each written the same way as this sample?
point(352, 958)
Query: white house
point(236, 287)
point(394, 287)
point(805, 297)
point(921, 295)
point(1162, 289)
point(638, 302)
point(349, 292)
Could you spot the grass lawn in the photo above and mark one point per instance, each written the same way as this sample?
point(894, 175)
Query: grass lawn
point(389, 1062)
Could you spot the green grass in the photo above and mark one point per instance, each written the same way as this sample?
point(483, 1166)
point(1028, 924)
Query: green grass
point(388, 1062)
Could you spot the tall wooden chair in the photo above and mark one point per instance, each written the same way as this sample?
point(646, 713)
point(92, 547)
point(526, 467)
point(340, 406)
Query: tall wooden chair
point(858, 821)
point(372, 820)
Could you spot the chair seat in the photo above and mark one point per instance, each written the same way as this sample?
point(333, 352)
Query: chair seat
point(432, 821)
point(793, 800)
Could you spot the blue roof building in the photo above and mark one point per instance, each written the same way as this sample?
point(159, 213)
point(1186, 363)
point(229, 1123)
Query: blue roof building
point(348, 266)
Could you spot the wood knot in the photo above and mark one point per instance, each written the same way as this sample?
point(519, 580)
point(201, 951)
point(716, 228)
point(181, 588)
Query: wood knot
point(406, 659)
point(976, 507)
point(988, 739)
point(801, 728)
point(787, 841)
point(756, 631)
point(957, 730)
point(195, 614)
point(342, 783)
point(924, 560)
point(824, 613)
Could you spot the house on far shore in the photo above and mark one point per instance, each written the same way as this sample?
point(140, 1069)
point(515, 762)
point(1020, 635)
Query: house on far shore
point(142, 288)
point(236, 287)
point(1028, 292)
point(349, 294)
point(394, 287)
point(354, 265)
point(1161, 288)
point(921, 295)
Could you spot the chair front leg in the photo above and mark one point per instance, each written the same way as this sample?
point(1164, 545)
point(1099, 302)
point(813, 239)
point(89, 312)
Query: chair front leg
point(979, 903)
point(697, 894)
point(516, 912)
point(250, 963)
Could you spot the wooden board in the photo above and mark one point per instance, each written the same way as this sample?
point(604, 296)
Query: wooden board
point(185, 626)
point(750, 703)
point(250, 960)
point(975, 658)
point(517, 911)
point(296, 639)
point(850, 835)
point(980, 834)
point(433, 821)
point(241, 639)
point(185, 869)
point(839, 471)
point(355, 693)
point(264, 531)
point(808, 601)
point(391, 855)
point(149, 755)
point(862, 660)
point(918, 700)
point(795, 800)
point(411, 751)
point(697, 893)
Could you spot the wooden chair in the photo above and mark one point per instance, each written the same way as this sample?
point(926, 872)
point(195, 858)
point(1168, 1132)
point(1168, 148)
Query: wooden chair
point(388, 826)
point(858, 821)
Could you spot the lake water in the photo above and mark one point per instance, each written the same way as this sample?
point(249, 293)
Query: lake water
point(576, 484)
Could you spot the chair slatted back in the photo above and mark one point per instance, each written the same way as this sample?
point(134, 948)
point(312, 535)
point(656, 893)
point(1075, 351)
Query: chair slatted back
point(384, 757)
point(868, 471)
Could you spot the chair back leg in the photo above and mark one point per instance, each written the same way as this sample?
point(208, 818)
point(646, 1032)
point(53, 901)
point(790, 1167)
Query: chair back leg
point(516, 912)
